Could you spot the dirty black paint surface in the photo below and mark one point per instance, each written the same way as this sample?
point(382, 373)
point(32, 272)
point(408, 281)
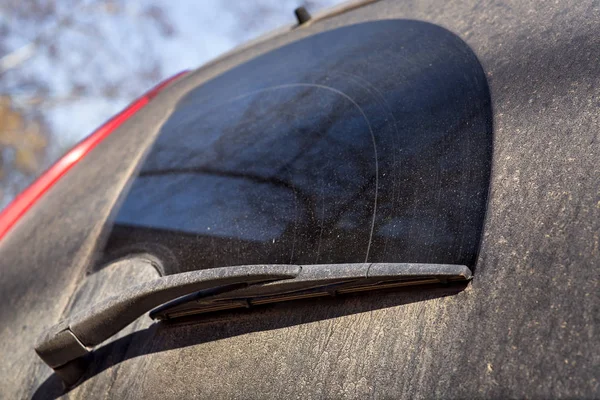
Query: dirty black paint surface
point(367, 143)
point(526, 327)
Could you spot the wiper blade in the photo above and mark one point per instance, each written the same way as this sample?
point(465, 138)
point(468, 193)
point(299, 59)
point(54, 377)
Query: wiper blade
point(64, 346)
point(315, 281)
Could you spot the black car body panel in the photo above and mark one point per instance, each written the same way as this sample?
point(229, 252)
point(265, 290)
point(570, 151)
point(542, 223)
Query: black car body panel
point(525, 327)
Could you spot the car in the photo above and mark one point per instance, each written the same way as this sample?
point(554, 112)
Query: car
point(387, 200)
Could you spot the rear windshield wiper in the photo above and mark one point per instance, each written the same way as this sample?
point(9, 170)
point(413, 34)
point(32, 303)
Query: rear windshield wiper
point(314, 281)
point(64, 346)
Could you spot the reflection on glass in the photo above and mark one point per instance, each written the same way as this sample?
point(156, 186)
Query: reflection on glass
point(369, 143)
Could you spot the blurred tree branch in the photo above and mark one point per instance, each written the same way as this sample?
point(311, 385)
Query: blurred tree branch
point(55, 53)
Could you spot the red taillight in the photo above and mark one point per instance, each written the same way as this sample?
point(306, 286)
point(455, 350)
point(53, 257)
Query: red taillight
point(23, 202)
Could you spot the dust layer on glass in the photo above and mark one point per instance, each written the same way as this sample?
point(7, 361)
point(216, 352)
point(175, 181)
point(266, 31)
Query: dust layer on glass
point(367, 143)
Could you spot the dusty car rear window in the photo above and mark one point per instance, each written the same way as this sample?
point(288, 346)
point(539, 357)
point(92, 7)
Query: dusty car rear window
point(368, 143)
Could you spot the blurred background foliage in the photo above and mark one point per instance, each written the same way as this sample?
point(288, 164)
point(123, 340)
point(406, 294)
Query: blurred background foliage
point(68, 65)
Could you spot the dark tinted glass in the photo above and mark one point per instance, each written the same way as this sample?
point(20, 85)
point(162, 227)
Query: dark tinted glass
point(368, 143)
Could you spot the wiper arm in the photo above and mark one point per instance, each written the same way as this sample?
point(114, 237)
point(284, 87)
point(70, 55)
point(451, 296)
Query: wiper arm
point(64, 345)
point(314, 281)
